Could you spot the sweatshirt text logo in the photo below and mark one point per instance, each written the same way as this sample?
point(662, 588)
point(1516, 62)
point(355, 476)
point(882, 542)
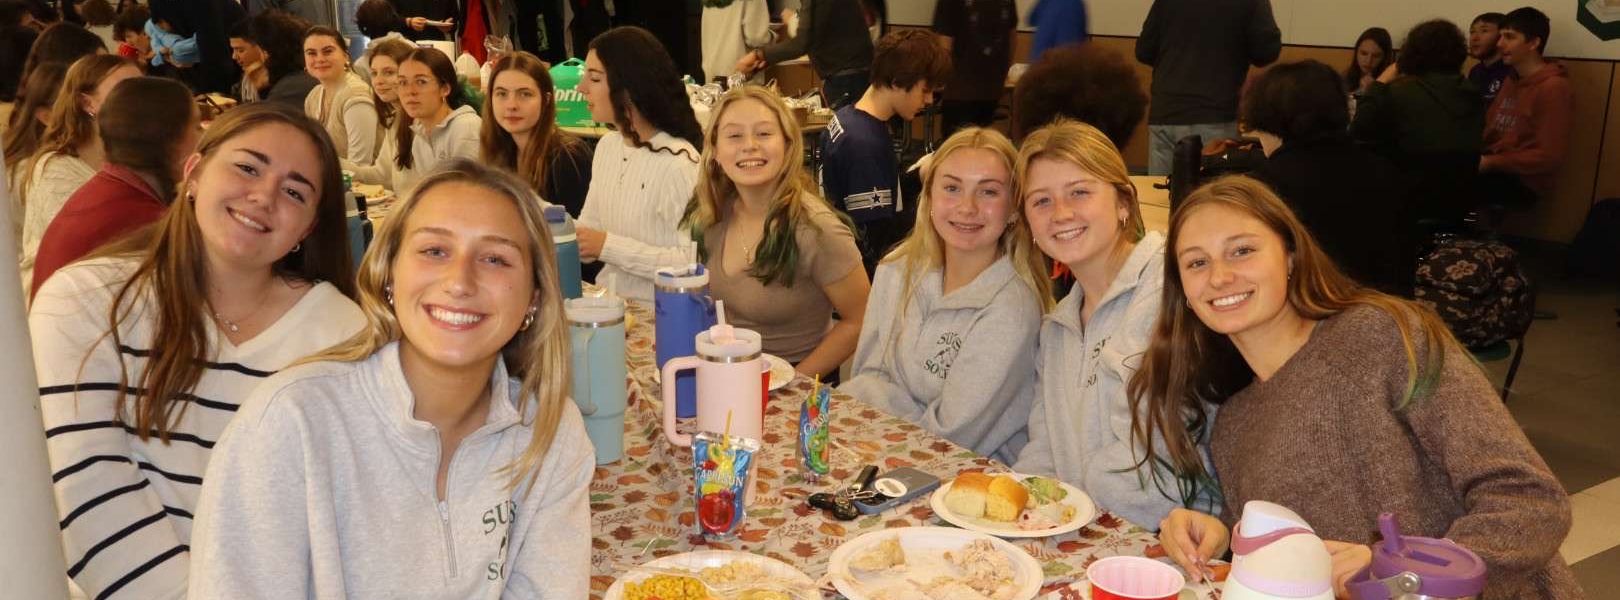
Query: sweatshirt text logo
point(500, 517)
point(949, 344)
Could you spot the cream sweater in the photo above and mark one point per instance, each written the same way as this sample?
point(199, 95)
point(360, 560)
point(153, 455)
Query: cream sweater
point(350, 119)
point(53, 177)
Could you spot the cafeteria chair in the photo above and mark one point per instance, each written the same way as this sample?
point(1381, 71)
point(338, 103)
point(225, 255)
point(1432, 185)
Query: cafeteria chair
point(1502, 349)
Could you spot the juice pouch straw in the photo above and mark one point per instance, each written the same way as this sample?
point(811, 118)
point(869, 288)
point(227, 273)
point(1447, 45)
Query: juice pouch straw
point(720, 468)
point(814, 449)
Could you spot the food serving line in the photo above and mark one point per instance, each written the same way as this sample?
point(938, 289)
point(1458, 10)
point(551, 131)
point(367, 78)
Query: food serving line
point(642, 506)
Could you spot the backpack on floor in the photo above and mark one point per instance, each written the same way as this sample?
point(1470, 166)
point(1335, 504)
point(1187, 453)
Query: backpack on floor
point(1595, 252)
point(1478, 288)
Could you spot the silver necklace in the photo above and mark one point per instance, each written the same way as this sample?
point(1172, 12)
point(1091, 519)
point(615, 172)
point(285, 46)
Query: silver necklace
point(232, 325)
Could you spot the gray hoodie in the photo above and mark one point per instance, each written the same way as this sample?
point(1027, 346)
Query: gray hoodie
point(1080, 428)
point(323, 486)
point(961, 365)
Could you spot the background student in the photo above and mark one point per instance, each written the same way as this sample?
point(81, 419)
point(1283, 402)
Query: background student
point(643, 174)
point(439, 124)
point(342, 102)
point(520, 132)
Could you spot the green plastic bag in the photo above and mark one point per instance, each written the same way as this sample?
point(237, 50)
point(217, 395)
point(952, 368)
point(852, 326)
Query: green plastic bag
point(571, 108)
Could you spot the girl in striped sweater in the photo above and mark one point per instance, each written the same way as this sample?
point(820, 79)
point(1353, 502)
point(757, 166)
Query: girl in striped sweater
point(144, 351)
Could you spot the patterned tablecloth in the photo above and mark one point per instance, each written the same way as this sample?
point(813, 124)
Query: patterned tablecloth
point(641, 506)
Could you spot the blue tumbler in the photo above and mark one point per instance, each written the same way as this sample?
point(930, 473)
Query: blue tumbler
point(562, 234)
point(683, 309)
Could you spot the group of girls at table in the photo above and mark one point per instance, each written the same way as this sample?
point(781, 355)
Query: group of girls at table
point(234, 410)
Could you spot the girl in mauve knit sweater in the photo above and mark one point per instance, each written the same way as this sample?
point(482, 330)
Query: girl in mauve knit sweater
point(1337, 401)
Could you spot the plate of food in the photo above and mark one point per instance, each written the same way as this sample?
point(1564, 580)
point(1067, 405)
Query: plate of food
point(915, 563)
point(1012, 505)
point(664, 578)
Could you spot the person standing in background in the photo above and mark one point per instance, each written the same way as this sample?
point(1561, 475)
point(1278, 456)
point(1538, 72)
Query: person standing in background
point(732, 28)
point(840, 49)
point(979, 34)
point(1057, 23)
point(1200, 50)
point(1482, 37)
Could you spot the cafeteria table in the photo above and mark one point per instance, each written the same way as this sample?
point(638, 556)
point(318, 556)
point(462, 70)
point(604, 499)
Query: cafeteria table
point(642, 505)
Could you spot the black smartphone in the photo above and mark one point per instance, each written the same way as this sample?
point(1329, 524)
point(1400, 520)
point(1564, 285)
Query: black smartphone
point(895, 488)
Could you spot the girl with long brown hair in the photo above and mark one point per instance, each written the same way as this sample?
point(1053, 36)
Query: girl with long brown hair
point(439, 435)
point(948, 341)
point(521, 134)
point(382, 61)
point(1082, 211)
point(1336, 401)
point(70, 151)
point(779, 256)
point(144, 351)
point(439, 124)
point(643, 174)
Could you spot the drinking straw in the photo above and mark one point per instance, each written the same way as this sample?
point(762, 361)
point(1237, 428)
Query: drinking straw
point(725, 438)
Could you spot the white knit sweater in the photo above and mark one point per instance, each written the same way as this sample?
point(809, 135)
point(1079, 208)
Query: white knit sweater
point(126, 504)
point(53, 178)
point(637, 196)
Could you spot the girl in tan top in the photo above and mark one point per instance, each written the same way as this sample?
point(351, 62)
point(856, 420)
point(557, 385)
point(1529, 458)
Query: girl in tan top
point(1336, 401)
point(778, 255)
point(342, 103)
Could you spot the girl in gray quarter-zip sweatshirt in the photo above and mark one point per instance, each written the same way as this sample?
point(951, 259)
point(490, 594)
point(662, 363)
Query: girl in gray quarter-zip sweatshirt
point(1082, 210)
point(324, 487)
point(1080, 427)
point(961, 365)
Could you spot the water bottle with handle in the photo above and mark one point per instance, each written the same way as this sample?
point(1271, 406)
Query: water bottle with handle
point(562, 234)
point(596, 334)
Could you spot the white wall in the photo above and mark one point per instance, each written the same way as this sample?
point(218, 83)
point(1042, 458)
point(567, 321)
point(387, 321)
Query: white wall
point(1331, 22)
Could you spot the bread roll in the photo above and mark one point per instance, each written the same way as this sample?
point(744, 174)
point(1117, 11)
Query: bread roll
point(967, 495)
point(1005, 499)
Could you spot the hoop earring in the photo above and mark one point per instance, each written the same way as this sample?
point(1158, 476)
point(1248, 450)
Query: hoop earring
point(527, 320)
point(388, 294)
point(297, 246)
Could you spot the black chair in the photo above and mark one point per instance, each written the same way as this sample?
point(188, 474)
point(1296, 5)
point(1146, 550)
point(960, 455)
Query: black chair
point(1512, 347)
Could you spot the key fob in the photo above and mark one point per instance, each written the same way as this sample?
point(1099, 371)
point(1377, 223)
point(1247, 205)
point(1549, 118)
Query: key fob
point(837, 506)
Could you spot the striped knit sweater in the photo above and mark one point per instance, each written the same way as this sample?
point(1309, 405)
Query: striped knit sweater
point(125, 503)
point(637, 196)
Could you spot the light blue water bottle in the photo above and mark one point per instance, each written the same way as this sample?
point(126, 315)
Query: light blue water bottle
point(596, 333)
point(562, 233)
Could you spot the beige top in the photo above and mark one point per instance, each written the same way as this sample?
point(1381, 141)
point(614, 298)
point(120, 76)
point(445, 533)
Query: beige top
point(790, 320)
point(350, 119)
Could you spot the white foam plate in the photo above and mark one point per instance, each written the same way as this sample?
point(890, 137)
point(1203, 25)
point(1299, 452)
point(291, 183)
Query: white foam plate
point(1084, 511)
point(925, 545)
point(703, 559)
point(781, 371)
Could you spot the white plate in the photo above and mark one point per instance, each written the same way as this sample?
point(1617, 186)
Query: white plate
point(926, 541)
point(782, 372)
point(703, 559)
point(1084, 511)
